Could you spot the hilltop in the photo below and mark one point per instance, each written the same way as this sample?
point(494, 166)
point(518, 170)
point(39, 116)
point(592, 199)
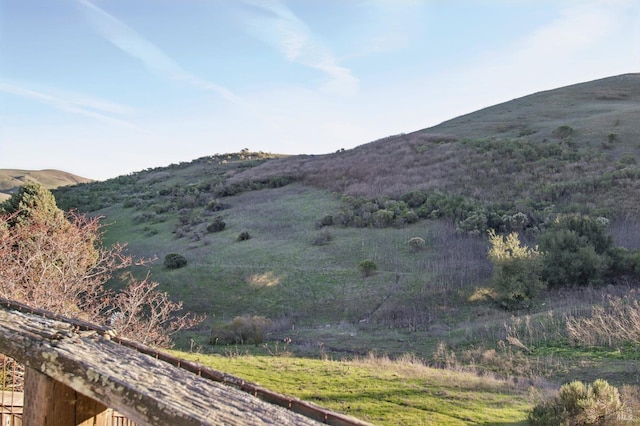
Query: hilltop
point(11, 179)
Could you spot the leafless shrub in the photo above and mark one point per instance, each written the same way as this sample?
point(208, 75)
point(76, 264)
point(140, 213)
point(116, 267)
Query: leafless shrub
point(630, 397)
point(146, 315)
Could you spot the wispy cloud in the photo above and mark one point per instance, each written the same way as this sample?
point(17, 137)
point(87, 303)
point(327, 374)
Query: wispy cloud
point(560, 51)
point(98, 109)
point(576, 29)
point(277, 26)
point(389, 25)
point(135, 45)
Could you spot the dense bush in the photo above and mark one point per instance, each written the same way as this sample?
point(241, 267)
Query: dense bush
point(414, 198)
point(474, 224)
point(574, 250)
point(577, 251)
point(579, 404)
point(367, 267)
point(384, 212)
point(382, 218)
point(470, 215)
point(175, 261)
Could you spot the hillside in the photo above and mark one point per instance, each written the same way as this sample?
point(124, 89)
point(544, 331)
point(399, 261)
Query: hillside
point(309, 222)
point(555, 147)
point(11, 179)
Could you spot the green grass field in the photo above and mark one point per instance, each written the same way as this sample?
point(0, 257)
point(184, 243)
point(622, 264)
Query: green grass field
point(278, 271)
point(381, 391)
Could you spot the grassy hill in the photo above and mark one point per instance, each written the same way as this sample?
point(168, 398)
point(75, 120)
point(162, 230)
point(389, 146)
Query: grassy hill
point(313, 219)
point(11, 179)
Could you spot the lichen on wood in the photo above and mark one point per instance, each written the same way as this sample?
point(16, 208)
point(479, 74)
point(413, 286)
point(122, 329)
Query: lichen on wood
point(146, 390)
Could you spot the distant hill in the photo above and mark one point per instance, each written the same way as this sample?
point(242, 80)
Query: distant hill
point(12, 179)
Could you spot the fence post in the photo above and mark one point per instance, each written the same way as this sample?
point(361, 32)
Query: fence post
point(51, 403)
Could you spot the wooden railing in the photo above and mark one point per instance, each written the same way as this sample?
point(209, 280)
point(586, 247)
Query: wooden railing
point(74, 371)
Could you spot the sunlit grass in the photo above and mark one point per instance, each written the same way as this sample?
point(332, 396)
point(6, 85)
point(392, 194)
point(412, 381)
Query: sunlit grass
point(382, 391)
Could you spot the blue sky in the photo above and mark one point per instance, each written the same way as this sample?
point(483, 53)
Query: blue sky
point(102, 88)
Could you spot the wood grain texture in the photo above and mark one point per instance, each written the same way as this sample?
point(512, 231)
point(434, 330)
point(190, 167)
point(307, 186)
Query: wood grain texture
point(146, 390)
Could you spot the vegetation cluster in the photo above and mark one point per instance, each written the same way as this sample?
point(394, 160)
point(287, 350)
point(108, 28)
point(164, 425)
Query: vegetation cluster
point(574, 251)
point(55, 261)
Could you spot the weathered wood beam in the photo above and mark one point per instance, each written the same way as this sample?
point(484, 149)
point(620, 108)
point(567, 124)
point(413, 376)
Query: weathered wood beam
point(146, 390)
point(52, 403)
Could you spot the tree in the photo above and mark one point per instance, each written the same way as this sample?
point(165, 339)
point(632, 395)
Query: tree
point(516, 271)
point(32, 202)
point(56, 261)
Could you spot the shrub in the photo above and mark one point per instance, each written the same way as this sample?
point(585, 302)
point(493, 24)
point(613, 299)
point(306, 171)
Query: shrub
point(175, 261)
point(244, 236)
point(218, 225)
point(322, 239)
point(382, 218)
point(474, 224)
point(367, 267)
point(242, 330)
point(414, 198)
point(327, 220)
point(215, 206)
point(516, 271)
point(142, 217)
point(626, 159)
point(578, 404)
point(563, 132)
point(416, 243)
